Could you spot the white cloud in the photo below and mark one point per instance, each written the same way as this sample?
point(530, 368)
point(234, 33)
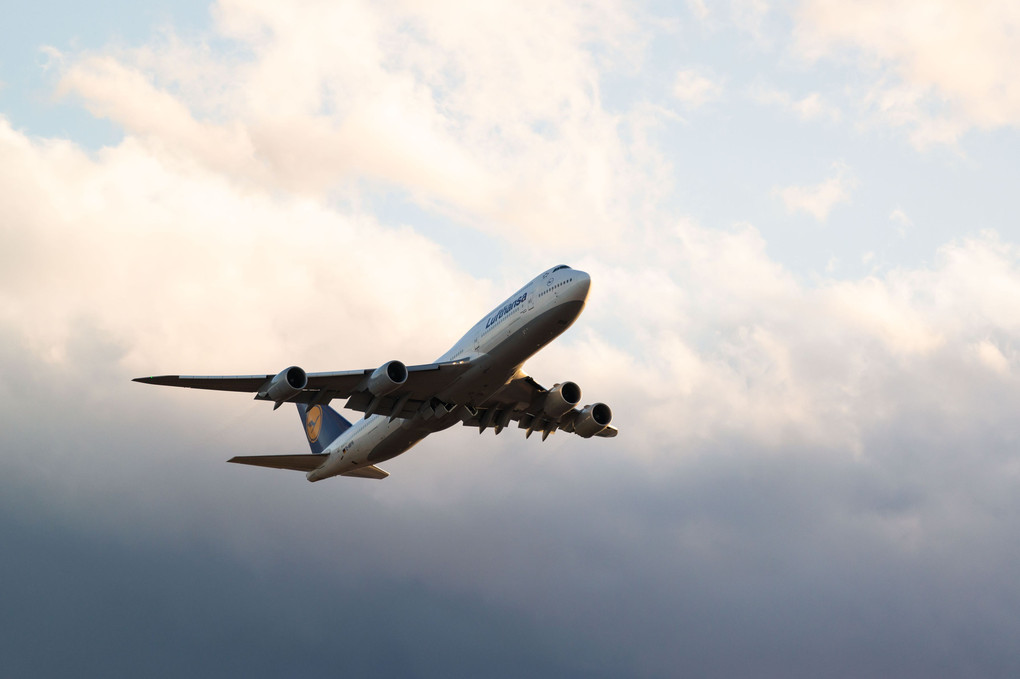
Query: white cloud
point(719, 337)
point(939, 67)
point(490, 113)
point(698, 8)
point(882, 312)
point(750, 16)
point(991, 357)
point(903, 222)
point(707, 339)
point(140, 244)
point(695, 89)
point(819, 199)
point(723, 343)
point(812, 106)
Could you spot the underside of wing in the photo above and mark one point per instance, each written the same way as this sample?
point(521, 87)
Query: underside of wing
point(372, 394)
point(249, 383)
point(299, 463)
point(537, 409)
point(393, 388)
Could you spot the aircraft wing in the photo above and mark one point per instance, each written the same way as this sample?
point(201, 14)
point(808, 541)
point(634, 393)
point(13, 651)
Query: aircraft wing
point(522, 400)
point(420, 384)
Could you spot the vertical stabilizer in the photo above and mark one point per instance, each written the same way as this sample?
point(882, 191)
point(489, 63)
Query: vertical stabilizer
point(322, 425)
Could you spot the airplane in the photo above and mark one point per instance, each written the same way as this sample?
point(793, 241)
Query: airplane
point(479, 382)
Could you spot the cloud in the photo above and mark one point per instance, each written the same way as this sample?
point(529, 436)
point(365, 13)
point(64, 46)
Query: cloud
point(452, 106)
point(140, 242)
point(992, 357)
point(750, 16)
point(903, 222)
point(723, 342)
point(694, 89)
point(818, 200)
point(938, 68)
point(823, 464)
point(698, 8)
point(811, 106)
point(111, 90)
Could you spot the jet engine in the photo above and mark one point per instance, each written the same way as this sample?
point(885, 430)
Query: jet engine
point(287, 384)
point(386, 378)
point(561, 399)
point(593, 419)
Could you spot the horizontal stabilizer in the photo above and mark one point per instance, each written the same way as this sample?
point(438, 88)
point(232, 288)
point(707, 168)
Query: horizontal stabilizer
point(299, 463)
point(370, 472)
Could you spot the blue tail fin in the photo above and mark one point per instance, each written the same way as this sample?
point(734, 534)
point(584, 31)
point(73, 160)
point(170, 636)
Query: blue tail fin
point(322, 425)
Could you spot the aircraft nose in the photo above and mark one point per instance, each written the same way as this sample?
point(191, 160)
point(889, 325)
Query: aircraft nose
point(582, 282)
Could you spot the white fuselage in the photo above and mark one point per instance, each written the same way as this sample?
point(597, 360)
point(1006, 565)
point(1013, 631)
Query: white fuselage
point(496, 348)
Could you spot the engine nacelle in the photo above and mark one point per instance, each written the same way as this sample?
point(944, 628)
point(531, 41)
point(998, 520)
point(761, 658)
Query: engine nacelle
point(561, 399)
point(287, 384)
point(593, 419)
point(386, 378)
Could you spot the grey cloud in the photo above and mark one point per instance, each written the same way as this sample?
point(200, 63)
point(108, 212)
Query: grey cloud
point(722, 556)
point(730, 565)
point(89, 605)
point(721, 561)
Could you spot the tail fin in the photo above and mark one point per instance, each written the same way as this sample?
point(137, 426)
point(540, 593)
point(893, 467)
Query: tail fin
point(322, 425)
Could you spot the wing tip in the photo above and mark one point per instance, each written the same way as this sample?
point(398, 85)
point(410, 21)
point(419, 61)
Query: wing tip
point(155, 379)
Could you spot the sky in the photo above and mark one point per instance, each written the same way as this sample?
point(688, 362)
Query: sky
point(801, 226)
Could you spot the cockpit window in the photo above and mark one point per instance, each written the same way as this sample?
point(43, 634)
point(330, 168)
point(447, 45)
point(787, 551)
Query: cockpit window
point(561, 266)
